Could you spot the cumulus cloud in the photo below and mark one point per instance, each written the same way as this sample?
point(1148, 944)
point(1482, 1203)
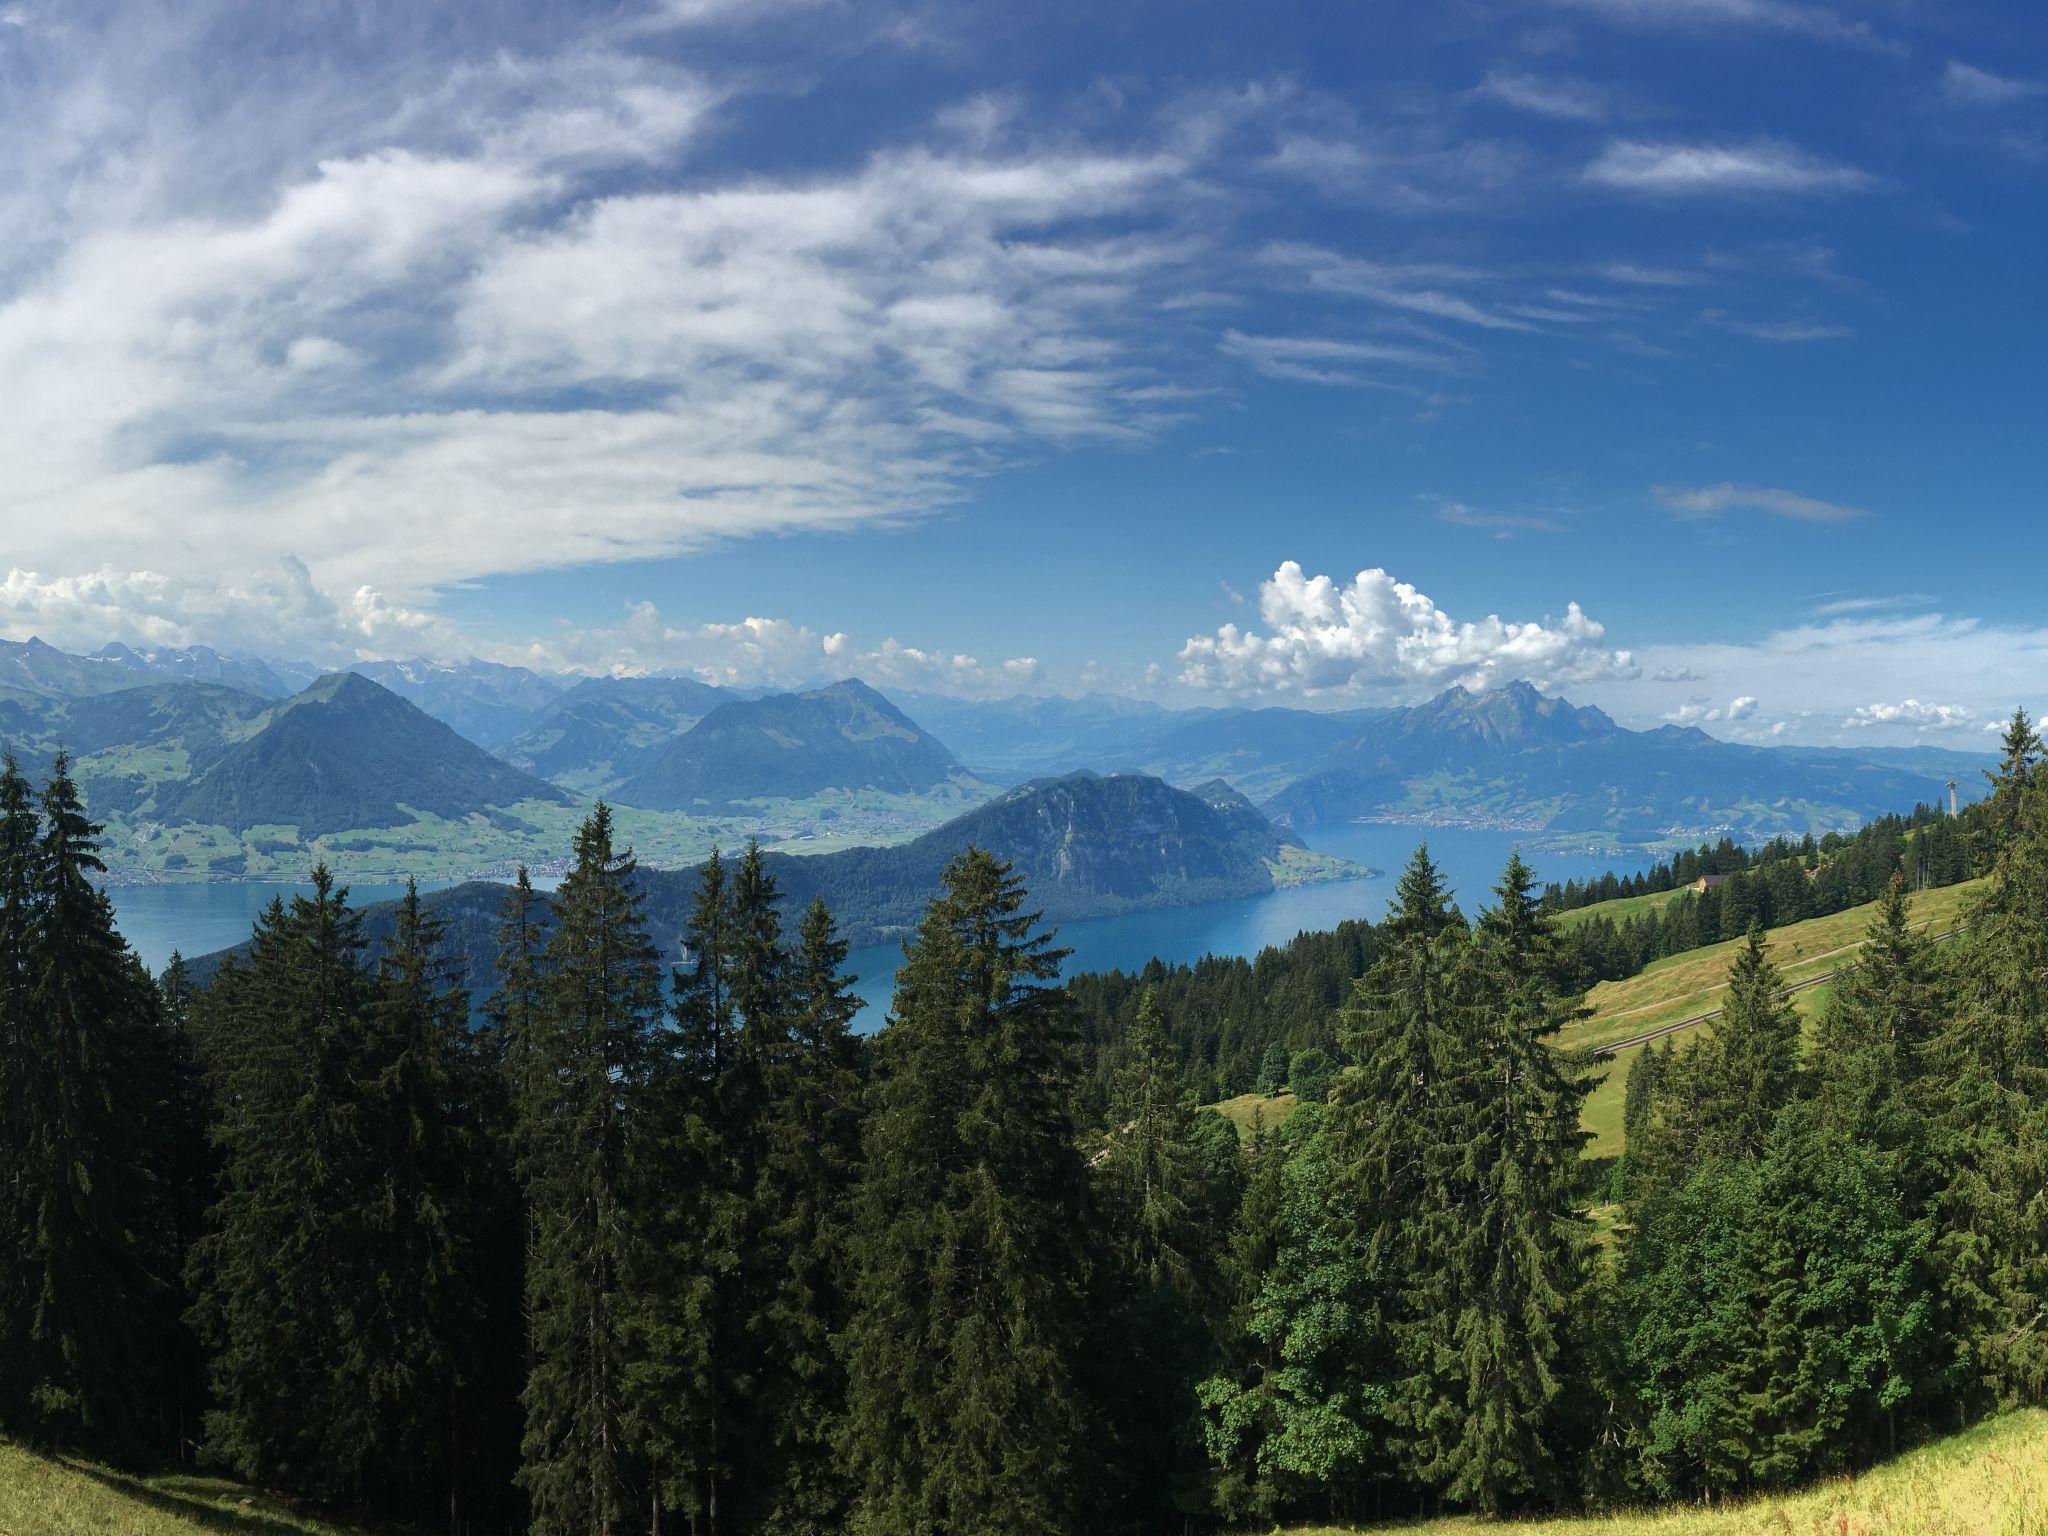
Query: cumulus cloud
point(1701, 712)
point(278, 610)
point(1821, 675)
point(1761, 166)
point(1712, 500)
point(1922, 717)
point(1379, 638)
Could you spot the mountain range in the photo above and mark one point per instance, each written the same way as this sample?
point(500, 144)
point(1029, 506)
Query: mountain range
point(1510, 757)
point(1086, 846)
point(346, 753)
point(207, 763)
point(788, 746)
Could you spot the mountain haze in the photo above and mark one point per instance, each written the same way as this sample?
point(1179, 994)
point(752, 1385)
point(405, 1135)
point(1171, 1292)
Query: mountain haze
point(1511, 757)
point(605, 729)
point(788, 746)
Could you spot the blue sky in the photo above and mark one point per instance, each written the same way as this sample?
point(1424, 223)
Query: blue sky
point(1680, 355)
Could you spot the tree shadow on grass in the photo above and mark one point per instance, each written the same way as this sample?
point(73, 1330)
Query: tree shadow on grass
point(193, 1506)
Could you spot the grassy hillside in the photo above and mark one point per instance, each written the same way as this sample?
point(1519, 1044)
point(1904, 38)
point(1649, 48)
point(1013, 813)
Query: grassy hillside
point(1267, 1108)
point(1683, 986)
point(1991, 1480)
point(40, 1496)
point(1988, 1481)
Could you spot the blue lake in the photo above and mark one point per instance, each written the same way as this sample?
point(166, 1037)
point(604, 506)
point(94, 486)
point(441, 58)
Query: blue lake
point(197, 919)
point(1471, 860)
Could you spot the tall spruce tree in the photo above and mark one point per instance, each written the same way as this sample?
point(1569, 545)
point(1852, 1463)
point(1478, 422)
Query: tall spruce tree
point(20, 1065)
point(1522, 1247)
point(690, 1376)
point(1163, 1287)
point(966, 1412)
point(88, 1207)
point(281, 1276)
point(802, 1198)
point(1721, 1097)
point(417, 1345)
point(587, 1056)
point(1994, 1057)
point(1409, 1031)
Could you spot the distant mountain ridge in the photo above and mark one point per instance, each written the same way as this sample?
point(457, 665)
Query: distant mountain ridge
point(483, 700)
point(605, 729)
point(1086, 846)
point(347, 753)
point(789, 746)
point(1513, 757)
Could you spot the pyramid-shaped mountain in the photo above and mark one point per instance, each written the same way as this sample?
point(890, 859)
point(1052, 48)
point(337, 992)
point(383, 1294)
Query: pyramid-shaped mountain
point(348, 753)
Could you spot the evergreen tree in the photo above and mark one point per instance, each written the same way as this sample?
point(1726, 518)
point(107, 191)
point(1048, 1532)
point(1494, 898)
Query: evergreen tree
point(1520, 1254)
point(280, 1278)
point(415, 1344)
point(589, 1052)
point(88, 1209)
point(965, 1411)
point(1162, 1279)
point(1994, 1058)
point(189, 1170)
point(1723, 1095)
point(810, 1164)
point(692, 1379)
point(1408, 1031)
point(20, 1066)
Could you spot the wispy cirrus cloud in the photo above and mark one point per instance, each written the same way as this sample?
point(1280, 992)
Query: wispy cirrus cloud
point(1795, 17)
point(1566, 98)
point(1781, 331)
point(1712, 500)
point(1502, 525)
point(1966, 85)
point(1330, 359)
point(1758, 167)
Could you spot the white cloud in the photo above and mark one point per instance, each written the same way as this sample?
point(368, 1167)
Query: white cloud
point(1688, 170)
point(1781, 331)
point(1418, 288)
point(1328, 359)
point(768, 652)
point(1571, 100)
point(1922, 717)
point(1378, 638)
point(1701, 712)
point(1711, 500)
point(1966, 85)
point(278, 611)
point(1820, 675)
point(449, 339)
point(1717, 16)
point(1638, 275)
